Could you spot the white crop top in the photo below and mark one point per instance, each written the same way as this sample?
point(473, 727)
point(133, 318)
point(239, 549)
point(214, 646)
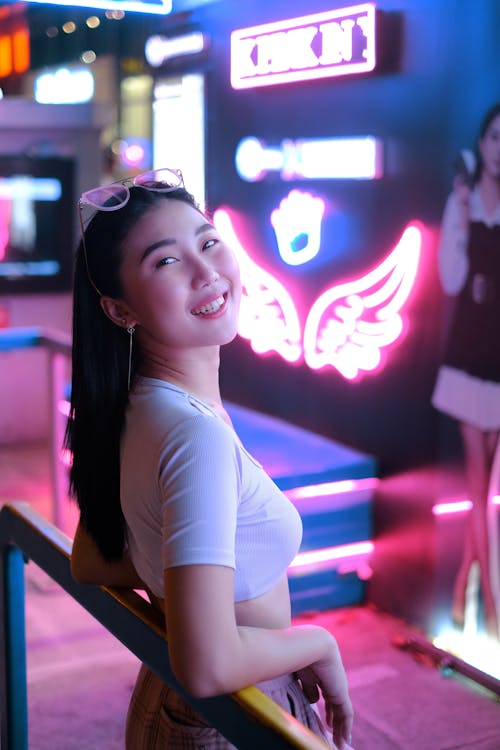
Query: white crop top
point(191, 494)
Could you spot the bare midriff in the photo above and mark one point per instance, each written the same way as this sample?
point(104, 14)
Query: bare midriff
point(270, 610)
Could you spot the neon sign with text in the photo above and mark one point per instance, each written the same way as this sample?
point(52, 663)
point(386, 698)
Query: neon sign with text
point(320, 45)
point(349, 326)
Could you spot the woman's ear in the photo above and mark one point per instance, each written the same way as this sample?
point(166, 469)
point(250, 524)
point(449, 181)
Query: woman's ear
point(118, 312)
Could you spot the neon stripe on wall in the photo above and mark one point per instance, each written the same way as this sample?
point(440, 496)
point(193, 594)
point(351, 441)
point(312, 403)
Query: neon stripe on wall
point(342, 486)
point(329, 554)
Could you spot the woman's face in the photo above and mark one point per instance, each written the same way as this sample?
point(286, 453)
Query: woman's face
point(179, 279)
point(489, 147)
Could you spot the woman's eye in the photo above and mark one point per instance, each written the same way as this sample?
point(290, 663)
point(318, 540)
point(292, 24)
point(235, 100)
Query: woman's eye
point(209, 243)
point(165, 261)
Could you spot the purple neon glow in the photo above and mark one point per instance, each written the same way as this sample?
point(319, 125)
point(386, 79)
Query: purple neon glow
point(341, 552)
point(332, 488)
point(318, 45)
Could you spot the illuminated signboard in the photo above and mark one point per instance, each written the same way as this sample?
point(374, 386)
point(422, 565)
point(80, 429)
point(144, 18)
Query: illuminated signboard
point(320, 45)
point(160, 7)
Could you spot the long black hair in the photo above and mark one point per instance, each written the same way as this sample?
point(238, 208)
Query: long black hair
point(488, 118)
point(99, 389)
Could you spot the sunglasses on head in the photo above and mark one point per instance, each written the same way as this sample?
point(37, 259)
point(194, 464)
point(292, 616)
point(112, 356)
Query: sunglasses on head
point(116, 195)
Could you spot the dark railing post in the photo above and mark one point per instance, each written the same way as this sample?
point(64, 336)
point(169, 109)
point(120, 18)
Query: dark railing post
point(13, 688)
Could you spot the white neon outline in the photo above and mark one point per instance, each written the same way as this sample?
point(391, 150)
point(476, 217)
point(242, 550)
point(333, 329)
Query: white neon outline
point(310, 209)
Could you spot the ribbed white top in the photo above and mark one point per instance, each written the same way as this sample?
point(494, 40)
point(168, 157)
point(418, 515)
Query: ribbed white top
point(191, 494)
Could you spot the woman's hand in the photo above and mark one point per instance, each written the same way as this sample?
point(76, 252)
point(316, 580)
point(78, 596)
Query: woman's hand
point(327, 675)
point(462, 194)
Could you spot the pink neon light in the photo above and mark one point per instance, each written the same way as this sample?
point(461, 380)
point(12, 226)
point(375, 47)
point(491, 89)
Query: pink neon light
point(313, 557)
point(5, 211)
point(287, 51)
point(458, 506)
point(268, 317)
point(350, 324)
point(331, 488)
point(347, 327)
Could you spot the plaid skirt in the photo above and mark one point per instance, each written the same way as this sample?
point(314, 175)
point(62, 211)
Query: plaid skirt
point(159, 719)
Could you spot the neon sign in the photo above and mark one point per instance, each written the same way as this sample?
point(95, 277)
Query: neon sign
point(297, 225)
point(158, 7)
point(159, 49)
point(320, 45)
point(348, 327)
point(359, 158)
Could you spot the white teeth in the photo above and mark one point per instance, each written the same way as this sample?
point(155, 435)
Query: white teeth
point(211, 308)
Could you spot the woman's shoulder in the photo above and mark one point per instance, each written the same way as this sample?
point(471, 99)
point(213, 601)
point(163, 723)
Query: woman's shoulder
point(165, 410)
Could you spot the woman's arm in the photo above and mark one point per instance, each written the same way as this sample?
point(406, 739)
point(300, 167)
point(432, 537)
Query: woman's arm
point(89, 566)
point(211, 655)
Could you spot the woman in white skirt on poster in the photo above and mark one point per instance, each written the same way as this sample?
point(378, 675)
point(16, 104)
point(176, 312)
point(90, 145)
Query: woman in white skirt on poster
point(468, 383)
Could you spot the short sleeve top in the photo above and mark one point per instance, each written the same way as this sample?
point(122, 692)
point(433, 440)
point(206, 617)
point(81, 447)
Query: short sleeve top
point(192, 494)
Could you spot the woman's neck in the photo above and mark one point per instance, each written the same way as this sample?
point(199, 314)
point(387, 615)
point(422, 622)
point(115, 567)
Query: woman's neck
point(194, 372)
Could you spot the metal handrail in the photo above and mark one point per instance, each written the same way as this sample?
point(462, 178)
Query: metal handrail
point(248, 718)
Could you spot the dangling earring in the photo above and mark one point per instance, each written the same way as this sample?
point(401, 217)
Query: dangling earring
point(130, 331)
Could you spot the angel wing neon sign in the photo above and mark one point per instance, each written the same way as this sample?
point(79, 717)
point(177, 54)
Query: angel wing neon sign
point(349, 327)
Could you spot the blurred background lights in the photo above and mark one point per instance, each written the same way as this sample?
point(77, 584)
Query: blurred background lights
point(136, 153)
point(64, 87)
point(92, 22)
point(52, 32)
point(115, 15)
point(88, 57)
point(69, 27)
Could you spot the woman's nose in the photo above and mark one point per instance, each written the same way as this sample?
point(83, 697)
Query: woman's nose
point(205, 274)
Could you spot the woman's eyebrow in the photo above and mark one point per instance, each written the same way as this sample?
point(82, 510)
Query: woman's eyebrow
point(171, 241)
point(155, 246)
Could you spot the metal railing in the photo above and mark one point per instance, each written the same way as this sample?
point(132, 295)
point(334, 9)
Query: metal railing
point(248, 718)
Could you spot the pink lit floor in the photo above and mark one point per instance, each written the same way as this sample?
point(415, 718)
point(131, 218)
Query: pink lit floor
point(80, 677)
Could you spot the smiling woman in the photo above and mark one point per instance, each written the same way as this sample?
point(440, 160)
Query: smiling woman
point(170, 500)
